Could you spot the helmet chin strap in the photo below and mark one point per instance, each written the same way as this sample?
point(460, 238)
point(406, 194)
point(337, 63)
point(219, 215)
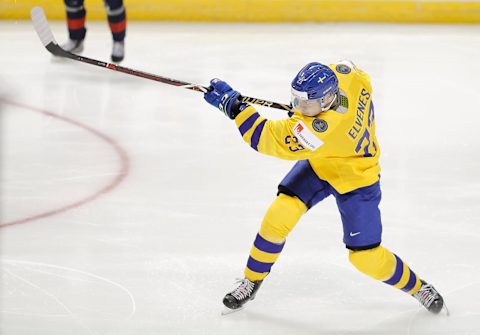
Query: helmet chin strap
point(333, 104)
point(334, 100)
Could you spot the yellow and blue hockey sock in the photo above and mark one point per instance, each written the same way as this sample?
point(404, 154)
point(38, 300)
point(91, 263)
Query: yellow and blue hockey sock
point(262, 257)
point(379, 263)
point(281, 217)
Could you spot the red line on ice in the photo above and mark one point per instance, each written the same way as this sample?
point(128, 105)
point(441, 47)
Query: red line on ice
point(119, 177)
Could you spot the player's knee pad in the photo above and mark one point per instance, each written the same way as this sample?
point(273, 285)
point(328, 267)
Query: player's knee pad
point(378, 263)
point(282, 215)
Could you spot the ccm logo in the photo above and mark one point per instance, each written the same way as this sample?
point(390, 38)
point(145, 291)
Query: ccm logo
point(257, 102)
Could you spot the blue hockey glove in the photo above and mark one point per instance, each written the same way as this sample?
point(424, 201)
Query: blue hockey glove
point(225, 98)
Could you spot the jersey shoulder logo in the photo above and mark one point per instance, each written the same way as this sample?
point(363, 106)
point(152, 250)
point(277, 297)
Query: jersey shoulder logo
point(306, 136)
point(343, 69)
point(320, 125)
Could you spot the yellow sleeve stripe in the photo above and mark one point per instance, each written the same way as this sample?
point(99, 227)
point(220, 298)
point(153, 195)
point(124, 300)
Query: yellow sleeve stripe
point(256, 132)
point(263, 256)
point(250, 124)
point(244, 115)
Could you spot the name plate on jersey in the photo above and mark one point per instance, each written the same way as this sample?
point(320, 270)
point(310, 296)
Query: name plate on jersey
point(306, 136)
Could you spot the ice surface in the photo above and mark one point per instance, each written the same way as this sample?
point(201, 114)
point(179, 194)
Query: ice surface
point(129, 206)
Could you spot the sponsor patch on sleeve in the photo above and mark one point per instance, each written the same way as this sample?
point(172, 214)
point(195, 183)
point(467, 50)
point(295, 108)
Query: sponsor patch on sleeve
point(306, 136)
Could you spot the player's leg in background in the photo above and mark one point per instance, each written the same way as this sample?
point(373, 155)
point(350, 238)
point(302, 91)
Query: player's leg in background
point(298, 191)
point(76, 14)
point(362, 235)
point(117, 20)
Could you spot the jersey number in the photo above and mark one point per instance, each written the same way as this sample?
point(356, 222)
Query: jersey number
point(369, 147)
point(294, 145)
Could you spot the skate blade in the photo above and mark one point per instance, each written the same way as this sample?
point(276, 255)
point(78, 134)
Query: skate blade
point(227, 311)
point(445, 310)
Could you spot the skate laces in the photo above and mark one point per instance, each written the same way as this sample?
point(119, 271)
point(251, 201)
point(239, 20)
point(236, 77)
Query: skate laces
point(426, 295)
point(244, 290)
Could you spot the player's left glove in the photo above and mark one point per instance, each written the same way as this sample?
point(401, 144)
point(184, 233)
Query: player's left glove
point(225, 98)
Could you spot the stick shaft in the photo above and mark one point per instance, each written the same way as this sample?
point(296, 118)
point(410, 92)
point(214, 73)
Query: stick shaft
point(40, 24)
point(56, 50)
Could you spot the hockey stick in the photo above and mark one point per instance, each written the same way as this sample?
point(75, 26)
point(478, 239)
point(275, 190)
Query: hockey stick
point(43, 30)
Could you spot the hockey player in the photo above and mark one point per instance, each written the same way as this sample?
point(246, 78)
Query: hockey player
point(331, 135)
point(117, 21)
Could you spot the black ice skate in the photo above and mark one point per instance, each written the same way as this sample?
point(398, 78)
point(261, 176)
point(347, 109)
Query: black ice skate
point(429, 298)
point(244, 292)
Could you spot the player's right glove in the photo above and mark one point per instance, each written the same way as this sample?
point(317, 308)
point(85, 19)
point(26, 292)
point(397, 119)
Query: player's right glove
point(225, 98)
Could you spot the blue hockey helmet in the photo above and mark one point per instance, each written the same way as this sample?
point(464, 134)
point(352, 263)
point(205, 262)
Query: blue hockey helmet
point(314, 89)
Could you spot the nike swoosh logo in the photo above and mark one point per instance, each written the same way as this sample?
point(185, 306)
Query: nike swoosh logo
point(354, 234)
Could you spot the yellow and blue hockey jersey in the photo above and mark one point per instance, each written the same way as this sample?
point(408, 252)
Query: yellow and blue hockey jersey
point(340, 144)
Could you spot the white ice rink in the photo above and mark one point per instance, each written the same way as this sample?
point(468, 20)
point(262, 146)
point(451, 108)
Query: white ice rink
point(130, 206)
